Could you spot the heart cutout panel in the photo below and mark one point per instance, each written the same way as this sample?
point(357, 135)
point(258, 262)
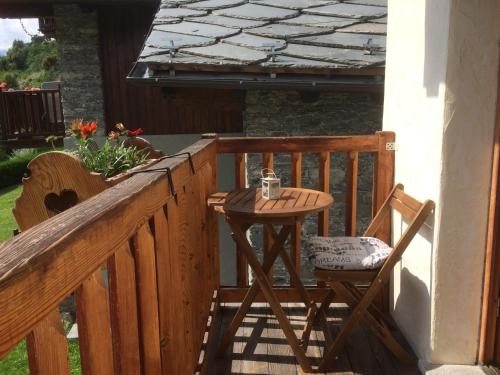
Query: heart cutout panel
point(57, 203)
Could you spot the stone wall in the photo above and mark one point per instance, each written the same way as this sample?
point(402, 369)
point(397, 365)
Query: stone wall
point(287, 113)
point(77, 38)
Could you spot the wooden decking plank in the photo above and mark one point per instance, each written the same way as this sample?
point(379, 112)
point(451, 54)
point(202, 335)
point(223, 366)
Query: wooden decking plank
point(360, 354)
point(388, 363)
point(281, 358)
point(218, 365)
point(255, 352)
point(342, 366)
point(260, 346)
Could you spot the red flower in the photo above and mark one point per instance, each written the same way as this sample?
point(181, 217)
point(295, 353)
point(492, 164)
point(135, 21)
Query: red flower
point(88, 129)
point(134, 133)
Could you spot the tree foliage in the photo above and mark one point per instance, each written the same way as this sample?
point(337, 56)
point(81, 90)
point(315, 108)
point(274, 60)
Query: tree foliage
point(30, 64)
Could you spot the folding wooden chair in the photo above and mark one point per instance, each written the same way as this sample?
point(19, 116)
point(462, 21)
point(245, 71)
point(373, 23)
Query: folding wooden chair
point(342, 281)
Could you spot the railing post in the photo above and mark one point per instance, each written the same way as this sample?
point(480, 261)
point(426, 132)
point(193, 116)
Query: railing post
point(267, 162)
point(324, 185)
point(240, 167)
point(382, 186)
point(3, 117)
point(47, 347)
point(351, 200)
point(383, 179)
point(296, 241)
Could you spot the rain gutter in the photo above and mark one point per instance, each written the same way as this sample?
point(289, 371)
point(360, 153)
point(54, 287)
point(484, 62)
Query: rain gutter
point(141, 75)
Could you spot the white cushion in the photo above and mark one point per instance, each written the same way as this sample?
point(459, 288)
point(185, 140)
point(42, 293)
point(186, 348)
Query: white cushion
point(347, 253)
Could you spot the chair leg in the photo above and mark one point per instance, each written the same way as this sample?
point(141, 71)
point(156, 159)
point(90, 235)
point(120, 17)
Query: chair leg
point(376, 312)
point(333, 351)
point(377, 326)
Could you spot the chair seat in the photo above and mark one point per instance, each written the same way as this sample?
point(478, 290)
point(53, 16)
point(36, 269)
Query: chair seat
point(347, 253)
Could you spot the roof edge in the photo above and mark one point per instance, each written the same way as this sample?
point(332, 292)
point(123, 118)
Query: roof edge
point(141, 75)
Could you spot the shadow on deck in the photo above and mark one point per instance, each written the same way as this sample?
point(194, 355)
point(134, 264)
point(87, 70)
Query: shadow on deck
point(260, 346)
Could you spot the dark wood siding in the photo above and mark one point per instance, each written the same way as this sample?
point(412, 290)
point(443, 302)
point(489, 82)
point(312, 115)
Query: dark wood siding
point(122, 29)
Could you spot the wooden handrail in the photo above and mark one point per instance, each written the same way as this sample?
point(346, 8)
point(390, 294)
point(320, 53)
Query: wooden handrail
point(358, 143)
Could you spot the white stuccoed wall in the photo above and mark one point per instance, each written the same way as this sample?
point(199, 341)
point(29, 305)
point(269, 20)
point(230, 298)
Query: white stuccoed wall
point(440, 95)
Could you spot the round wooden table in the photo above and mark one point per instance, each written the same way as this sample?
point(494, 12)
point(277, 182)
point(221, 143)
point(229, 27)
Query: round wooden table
point(245, 207)
point(293, 203)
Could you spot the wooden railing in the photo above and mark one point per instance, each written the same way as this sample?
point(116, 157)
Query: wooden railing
point(143, 263)
point(29, 114)
point(379, 144)
point(161, 260)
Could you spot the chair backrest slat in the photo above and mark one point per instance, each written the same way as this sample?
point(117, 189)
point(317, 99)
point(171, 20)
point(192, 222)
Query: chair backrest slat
point(407, 212)
point(381, 214)
point(406, 199)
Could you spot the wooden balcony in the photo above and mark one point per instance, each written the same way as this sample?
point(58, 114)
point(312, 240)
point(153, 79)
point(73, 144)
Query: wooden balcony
point(160, 306)
point(28, 117)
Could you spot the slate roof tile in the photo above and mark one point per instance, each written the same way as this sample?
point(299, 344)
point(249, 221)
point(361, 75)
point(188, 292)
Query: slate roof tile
point(229, 52)
point(349, 11)
point(268, 35)
point(281, 31)
point(163, 20)
point(236, 23)
point(257, 12)
point(366, 28)
point(330, 54)
point(215, 4)
point(293, 4)
point(380, 20)
point(168, 40)
point(198, 29)
point(254, 41)
point(319, 21)
point(343, 40)
point(175, 3)
point(382, 3)
point(151, 51)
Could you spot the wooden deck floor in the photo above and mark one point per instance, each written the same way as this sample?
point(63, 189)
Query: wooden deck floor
point(260, 346)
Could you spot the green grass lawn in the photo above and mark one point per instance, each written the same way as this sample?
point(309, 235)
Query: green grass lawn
point(7, 221)
point(16, 363)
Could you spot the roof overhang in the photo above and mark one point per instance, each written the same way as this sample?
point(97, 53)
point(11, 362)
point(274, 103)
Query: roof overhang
point(355, 81)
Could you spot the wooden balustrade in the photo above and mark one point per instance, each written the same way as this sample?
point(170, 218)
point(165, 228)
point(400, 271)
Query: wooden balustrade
point(143, 263)
point(28, 114)
point(325, 147)
point(161, 257)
